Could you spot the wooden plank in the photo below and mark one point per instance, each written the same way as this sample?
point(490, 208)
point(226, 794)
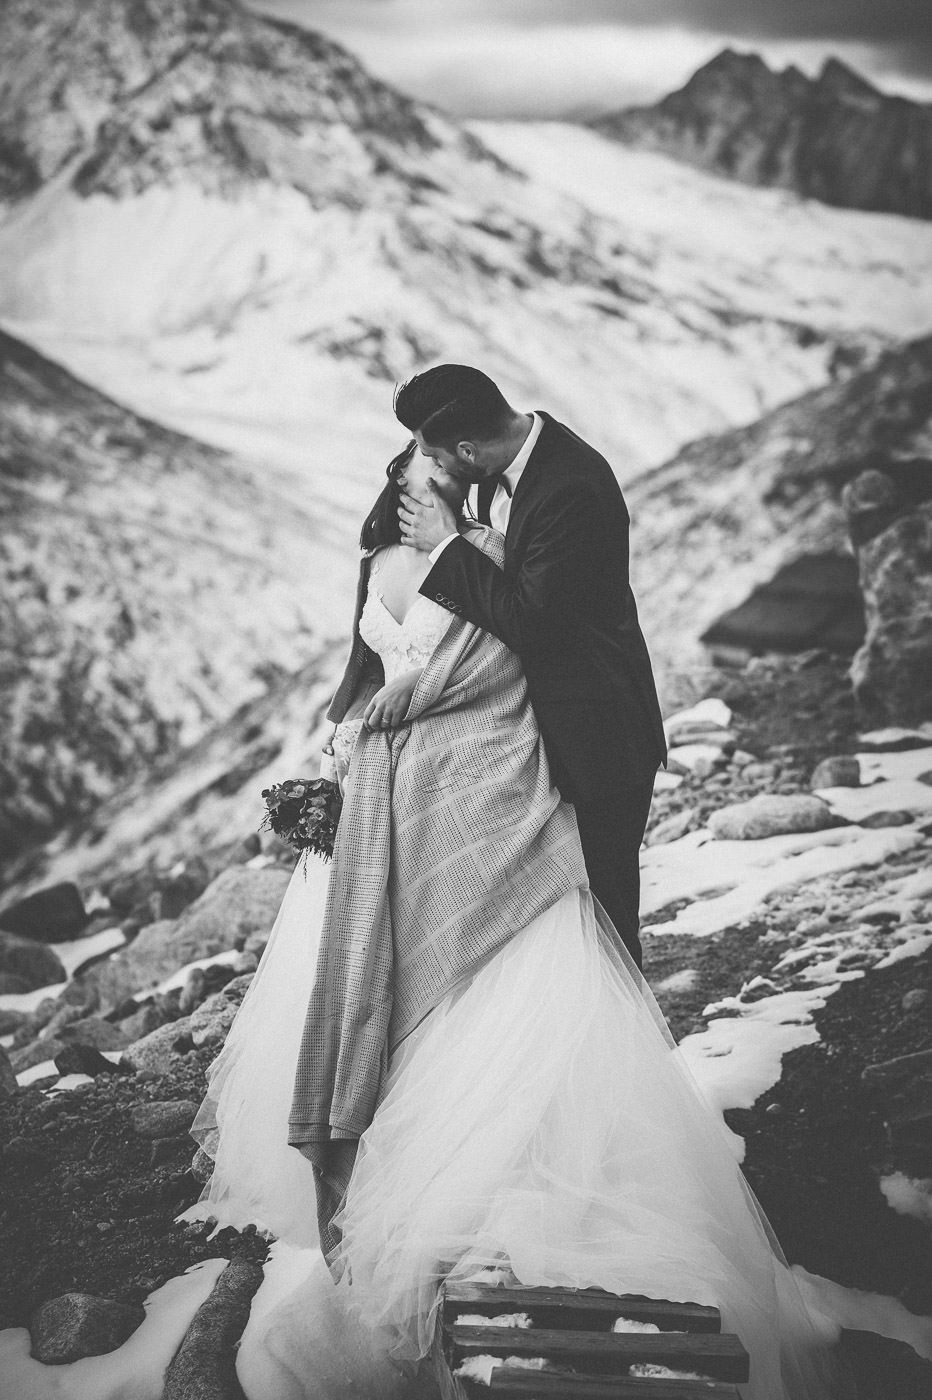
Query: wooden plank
point(513, 1381)
point(720, 1356)
point(588, 1309)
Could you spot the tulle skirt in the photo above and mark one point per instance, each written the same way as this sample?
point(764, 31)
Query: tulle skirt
point(539, 1121)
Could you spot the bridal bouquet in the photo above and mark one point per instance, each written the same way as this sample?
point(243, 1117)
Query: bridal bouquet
point(304, 812)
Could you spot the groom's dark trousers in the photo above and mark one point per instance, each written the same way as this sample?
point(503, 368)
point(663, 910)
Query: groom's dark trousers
point(564, 604)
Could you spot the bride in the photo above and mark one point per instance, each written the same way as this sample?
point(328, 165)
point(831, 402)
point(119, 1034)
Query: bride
point(447, 1062)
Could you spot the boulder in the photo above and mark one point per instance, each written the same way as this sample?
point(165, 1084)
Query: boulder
point(8, 1084)
point(238, 903)
point(209, 1024)
point(163, 1119)
point(771, 815)
point(892, 672)
point(158, 1051)
point(78, 1324)
point(841, 771)
point(84, 1059)
point(51, 915)
point(32, 963)
point(11, 1020)
point(95, 1033)
point(35, 1053)
point(13, 985)
point(672, 828)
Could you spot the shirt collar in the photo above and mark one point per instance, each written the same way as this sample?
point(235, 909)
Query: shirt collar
point(512, 474)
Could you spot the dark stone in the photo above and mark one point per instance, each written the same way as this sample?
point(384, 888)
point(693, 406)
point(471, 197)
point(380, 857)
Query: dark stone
point(162, 1119)
point(84, 1059)
point(78, 1324)
point(34, 963)
point(13, 985)
point(8, 1084)
point(204, 1365)
point(876, 821)
point(52, 915)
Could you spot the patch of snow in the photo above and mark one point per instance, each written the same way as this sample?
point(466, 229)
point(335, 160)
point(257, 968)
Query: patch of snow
point(910, 948)
point(653, 1370)
point(738, 1058)
point(69, 1081)
point(865, 1312)
point(178, 978)
point(666, 782)
point(899, 795)
point(630, 1324)
point(730, 880)
point(691, 755)
point(896, 736)
point(80, 951)
point(681, 981)
point(134, 1371)
point(908, 1195)
point(479, 1368)
point(515, 1319)
point(894, 767)
point(28, 1076)
point(711, 711)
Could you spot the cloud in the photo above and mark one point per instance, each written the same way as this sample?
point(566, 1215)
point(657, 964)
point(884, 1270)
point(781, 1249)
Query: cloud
point(550, 58)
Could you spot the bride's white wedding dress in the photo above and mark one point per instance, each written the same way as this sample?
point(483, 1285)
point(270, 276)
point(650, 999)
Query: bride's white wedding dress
point(539, 1119)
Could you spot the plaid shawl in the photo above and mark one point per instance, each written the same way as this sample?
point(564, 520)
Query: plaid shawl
point(452, 839)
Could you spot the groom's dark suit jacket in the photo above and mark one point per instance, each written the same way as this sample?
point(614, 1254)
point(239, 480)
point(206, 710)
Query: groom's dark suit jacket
point(564, 604)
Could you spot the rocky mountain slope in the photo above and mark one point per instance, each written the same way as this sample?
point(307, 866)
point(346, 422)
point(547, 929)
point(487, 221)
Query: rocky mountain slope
point(726, 513)
point(789, 958)
point(227, 223)
point(148, 587)
point(835, 138)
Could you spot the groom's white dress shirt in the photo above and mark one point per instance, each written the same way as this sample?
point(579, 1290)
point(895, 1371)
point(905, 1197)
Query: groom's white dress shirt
point(500, 509)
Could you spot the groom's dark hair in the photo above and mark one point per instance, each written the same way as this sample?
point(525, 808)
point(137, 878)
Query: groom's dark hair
point(451, 404)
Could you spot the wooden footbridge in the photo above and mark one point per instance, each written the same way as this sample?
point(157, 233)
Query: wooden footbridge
point(563, 1346)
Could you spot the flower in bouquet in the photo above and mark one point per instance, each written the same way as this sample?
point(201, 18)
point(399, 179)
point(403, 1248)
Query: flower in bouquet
point(304, 812)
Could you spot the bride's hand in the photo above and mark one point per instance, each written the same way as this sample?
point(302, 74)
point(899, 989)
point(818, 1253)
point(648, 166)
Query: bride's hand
point(388, 706)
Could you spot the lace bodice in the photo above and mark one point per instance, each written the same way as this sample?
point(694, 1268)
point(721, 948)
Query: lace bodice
point(401, 646)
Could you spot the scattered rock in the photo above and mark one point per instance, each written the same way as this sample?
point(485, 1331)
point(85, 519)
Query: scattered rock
point(163, 1119)
point(841, 771)
point(875, 821)
point(8, 1084)
point(892, 672)
point(53, 915)
point(11, 1020)
point(238, 903)
point(33, 963)
point(78, 1324)
point(202, 1166)
point(157, 1051)
point(771, 815)
point(204, 1365)
point(13, 985)
point(36, 1053)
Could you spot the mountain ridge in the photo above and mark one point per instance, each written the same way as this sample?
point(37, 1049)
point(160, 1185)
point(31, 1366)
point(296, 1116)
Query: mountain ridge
point(835, 138)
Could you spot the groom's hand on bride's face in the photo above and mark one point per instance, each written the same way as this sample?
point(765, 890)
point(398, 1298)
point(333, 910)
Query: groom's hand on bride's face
point(424, 525)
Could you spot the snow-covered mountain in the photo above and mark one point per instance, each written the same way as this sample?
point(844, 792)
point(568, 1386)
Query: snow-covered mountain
point(148, 588)
point(227, 223)
point(836, 137)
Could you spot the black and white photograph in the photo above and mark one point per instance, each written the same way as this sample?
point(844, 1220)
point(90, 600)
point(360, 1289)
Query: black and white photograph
point(465, 699)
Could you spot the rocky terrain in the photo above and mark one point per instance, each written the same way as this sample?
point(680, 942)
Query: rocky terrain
point(726, 513)
point(835, 138)
point(827, 965)
point(120, 546)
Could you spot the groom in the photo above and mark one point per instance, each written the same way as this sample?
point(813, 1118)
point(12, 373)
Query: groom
point(563, 603)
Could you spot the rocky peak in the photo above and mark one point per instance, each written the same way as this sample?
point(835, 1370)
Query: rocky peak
point(835, 138)
point(120, 96)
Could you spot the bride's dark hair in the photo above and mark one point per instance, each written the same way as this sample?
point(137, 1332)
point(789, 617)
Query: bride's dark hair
point(380, 526)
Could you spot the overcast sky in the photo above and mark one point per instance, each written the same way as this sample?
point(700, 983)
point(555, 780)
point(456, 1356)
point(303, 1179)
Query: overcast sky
point(541, 58)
